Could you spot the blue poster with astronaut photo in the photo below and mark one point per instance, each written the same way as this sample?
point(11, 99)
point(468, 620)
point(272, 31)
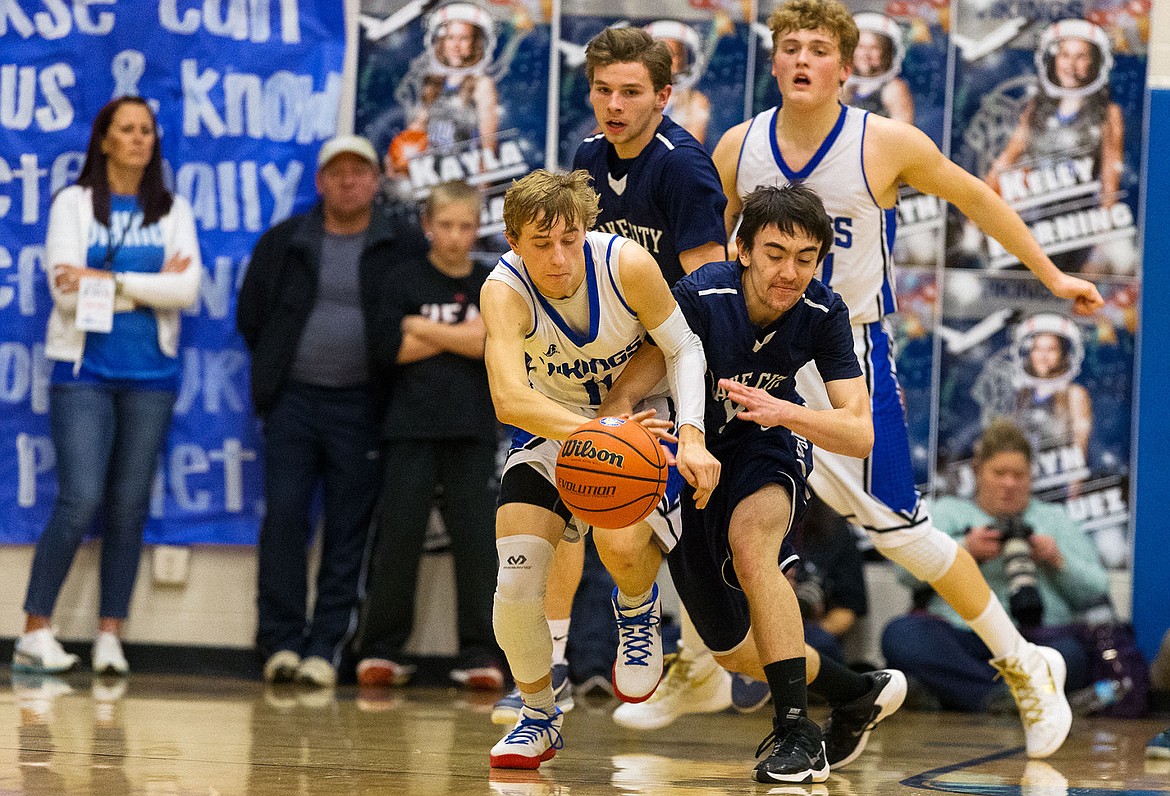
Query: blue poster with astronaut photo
point(1011, 349)
point(1048, 110)
point(455, 90)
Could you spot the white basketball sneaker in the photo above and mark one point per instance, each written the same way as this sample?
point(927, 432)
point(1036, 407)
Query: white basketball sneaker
point(1035, 676)
point(690, 686)
point(535, 738)
point(638, 666)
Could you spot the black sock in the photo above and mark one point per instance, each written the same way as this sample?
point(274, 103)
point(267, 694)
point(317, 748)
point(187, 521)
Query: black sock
point(838, 684)
point(789, 690)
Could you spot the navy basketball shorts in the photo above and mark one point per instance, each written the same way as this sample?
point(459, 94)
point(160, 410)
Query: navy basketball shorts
point(701, 565)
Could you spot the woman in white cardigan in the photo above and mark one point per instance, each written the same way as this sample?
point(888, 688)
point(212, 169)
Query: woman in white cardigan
point(126, 246)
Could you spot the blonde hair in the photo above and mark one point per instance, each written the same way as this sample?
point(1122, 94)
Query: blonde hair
point(446, 193)
point(630, 45)
point(831, 16)
point(546, 198)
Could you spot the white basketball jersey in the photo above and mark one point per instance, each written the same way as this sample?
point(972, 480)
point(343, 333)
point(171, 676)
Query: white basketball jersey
point(860, 266)
point(577, 347)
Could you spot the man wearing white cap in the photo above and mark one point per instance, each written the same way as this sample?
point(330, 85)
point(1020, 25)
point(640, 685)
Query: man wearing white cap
point(310, 311)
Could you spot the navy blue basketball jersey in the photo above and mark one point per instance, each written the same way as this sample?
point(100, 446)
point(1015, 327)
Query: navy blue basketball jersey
point(816, 330)
point(668, 198)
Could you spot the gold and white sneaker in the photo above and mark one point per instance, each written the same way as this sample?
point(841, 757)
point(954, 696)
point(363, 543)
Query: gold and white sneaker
point(1035, 676)
point(690, 686)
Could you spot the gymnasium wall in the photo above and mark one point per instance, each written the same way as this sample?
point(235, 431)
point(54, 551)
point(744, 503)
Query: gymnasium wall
point(191, 592)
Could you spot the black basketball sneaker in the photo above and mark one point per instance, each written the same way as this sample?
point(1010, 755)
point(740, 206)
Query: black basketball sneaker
point(798, 753)
point(849, 725)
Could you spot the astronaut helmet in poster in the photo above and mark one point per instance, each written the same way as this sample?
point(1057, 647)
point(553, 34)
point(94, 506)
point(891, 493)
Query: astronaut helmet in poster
point(686, 50)
point(1073, 58)
point(460, 39)
point(877, 59)
point(1047, 352)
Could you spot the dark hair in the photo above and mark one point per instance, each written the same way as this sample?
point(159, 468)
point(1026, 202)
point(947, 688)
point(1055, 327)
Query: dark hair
point(630, 45)
point(153, 196)
point(1097, 59)
point(790, 208)
point(885, 44)
point(1062, 342)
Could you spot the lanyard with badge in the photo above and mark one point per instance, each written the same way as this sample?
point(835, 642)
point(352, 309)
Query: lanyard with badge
point(95, 295)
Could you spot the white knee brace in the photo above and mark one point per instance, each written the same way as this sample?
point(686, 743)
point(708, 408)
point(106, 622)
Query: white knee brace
point(518, 614)
point(926, 552)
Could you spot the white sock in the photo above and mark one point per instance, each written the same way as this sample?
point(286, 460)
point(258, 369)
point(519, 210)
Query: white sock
point(634, 600)
point(995, 627)
point(559, 629)
point(541, 700)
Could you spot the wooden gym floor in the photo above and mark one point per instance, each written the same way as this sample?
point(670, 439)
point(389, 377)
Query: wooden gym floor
point(197, 735)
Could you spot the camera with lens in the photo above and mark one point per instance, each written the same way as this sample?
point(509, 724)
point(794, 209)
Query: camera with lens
point(1024, 602)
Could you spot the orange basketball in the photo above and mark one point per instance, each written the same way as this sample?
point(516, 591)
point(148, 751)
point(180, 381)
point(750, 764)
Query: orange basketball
point(611, 472)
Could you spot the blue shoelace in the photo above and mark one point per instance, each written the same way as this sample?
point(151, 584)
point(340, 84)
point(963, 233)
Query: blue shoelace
point(637, 634)
point(529, 730)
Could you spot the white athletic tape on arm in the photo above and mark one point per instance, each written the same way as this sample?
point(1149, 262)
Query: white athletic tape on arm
point(686, 367)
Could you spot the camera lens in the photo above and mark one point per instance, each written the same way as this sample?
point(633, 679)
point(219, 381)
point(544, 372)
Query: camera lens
point(1024, 602)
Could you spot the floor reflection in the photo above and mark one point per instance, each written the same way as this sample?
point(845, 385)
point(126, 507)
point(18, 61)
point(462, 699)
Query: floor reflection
point(154, 734)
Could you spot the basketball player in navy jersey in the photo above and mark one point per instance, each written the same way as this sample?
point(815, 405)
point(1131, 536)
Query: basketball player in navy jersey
point(856, 161)
point(564, 311)
point(657, 184)
point(762, 319)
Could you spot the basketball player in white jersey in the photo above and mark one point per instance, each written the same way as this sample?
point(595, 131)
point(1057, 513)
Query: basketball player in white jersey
point(856, 161)
point(564, 311)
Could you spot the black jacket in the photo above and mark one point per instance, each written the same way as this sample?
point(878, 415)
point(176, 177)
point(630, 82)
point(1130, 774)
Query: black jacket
point(280, 290)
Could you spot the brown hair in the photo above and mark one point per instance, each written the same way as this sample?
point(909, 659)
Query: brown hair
point(446, 193)
point(153, 196)
point(630, 45)
point(546, 198)
point(792, 209)
point(831, 16)
point(1001, 436)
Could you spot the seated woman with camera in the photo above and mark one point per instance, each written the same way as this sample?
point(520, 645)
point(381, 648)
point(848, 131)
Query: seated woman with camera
point(1038, 561)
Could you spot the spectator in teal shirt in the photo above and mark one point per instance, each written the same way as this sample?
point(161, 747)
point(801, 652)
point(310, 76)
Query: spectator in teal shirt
point(935, 646)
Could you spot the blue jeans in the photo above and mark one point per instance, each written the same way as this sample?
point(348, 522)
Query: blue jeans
point(952, 662)
point(107, 440)
point(328, 438)
point(823, 641)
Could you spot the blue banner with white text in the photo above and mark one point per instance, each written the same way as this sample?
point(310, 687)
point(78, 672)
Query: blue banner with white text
point(244, 94)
